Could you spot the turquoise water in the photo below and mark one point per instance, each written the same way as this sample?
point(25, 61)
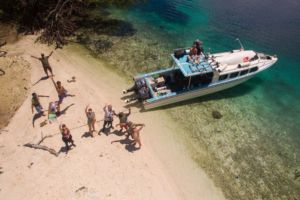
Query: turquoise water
point(253, 151)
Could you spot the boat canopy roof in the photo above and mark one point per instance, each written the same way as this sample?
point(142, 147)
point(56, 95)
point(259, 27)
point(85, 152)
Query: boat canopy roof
point(189, 69)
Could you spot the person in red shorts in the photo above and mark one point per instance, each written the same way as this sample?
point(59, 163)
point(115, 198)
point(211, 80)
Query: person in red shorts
point(123, 117)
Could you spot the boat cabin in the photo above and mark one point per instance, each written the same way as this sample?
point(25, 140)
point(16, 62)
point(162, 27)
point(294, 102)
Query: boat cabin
point(183, 76)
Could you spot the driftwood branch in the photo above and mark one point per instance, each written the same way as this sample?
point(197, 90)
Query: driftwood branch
point(42, 147)
point(44, 137)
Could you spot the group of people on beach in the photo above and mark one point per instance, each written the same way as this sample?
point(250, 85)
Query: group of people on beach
point(54, 110)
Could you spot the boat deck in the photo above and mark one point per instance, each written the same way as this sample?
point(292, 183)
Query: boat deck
point(190, 69)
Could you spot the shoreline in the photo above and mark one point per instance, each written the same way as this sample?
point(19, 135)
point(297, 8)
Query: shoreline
point(161, 169)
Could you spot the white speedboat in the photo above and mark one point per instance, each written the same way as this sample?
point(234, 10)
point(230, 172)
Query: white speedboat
point(185, 80)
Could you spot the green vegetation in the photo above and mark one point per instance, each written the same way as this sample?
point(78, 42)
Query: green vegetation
point(57, 18)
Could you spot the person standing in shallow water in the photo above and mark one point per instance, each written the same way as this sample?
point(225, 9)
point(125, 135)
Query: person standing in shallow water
point(45, 63)
point(66, 136)
point(91, 119)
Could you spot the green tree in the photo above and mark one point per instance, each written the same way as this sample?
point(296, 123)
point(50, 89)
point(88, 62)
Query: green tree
point(56, 18)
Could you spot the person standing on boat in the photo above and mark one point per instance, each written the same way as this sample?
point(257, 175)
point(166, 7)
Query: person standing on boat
point(199, 47)
point(108, 117)
point(193, 57)
point(45, 63)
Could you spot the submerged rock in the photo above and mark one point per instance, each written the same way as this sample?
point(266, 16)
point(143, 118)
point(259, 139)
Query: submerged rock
point(102, 45)
point(216, 114)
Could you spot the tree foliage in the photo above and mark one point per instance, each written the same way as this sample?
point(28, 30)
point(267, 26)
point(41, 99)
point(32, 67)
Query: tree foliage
point(56, 18)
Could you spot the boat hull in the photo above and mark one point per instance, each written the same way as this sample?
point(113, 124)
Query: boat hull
point(195, 93)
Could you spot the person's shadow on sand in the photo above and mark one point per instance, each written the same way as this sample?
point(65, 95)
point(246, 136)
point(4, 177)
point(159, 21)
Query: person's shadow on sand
point(64, 111)
point(41, 79)
point(128, 144)
point(87, 135)
point(118, 133)
point(64, 150)
point(106, 131)
point(35, 117)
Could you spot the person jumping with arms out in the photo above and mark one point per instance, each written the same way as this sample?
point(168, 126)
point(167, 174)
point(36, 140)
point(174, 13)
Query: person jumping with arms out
point(45, 63)
point(66, 136)
point(108, 117)
point(35, 103)
point(91, 119)
point(61, 91)
point(123, 117)
point(134, 131)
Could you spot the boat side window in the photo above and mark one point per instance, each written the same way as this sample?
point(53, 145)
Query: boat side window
point(233, 75)
point(223, 77)
point(254, 69)
point(244, 72)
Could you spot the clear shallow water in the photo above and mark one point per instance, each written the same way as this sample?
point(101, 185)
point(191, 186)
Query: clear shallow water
point(253, 151)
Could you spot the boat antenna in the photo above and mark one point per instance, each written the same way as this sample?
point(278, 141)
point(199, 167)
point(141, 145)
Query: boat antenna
point(242, 47)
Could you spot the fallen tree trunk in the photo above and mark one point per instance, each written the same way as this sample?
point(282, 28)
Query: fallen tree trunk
point(45, 148)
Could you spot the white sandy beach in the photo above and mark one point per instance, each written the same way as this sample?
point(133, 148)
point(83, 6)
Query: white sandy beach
point(161, 169)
